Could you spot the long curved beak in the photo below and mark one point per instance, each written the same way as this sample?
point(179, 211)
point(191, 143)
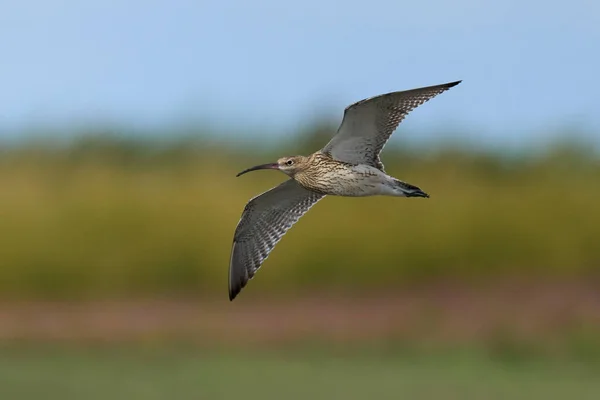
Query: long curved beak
point(263, 166)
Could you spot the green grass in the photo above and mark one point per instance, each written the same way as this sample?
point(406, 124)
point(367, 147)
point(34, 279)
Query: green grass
point(96, 221)
point(136, 374)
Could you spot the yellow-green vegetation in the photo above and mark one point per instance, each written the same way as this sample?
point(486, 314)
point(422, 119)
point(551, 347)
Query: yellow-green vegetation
point(113, 218)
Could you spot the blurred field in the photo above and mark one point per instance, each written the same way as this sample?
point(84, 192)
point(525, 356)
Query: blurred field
point(157, 374)
point(113, 278)
point(107, 218)
point(121, 133)
point(504, 318)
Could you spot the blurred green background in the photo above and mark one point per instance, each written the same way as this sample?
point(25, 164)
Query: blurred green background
point(103, 217)
point(123, 125)
point(115, 260)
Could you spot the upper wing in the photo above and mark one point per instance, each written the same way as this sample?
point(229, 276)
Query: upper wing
point(369, 123)
point(266, 218)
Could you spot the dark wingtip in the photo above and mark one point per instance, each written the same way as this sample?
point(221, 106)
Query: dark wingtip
point(452, 84)
point(237, 277)
point(235, 284)
point(235, 289)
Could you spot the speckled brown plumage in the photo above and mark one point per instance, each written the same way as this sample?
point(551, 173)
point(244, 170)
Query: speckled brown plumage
point(349, 165)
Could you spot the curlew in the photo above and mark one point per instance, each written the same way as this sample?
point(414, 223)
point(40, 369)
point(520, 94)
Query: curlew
point(349, 165)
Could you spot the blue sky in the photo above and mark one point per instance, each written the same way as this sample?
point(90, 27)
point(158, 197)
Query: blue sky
point(528, 68)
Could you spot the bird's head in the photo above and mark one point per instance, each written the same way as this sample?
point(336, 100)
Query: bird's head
point(288, 165)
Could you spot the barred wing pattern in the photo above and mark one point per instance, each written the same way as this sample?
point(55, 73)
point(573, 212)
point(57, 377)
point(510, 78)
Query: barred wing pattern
point(368, 124)
point(266, 218)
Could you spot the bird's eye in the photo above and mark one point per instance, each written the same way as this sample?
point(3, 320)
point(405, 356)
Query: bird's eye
point(289, 162)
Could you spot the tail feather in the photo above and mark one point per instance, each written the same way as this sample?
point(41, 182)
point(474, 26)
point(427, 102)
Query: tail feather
point(410, 190)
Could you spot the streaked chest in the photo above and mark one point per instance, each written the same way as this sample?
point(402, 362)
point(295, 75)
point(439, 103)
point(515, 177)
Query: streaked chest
point(344, 180)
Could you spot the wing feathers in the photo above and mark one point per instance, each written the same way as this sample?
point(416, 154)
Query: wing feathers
point(368, 124)
point(266, 218)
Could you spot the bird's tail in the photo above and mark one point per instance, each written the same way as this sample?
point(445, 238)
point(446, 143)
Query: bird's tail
point(409, 190)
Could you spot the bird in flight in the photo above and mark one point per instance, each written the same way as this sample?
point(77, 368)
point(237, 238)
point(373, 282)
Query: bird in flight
point(348, 165)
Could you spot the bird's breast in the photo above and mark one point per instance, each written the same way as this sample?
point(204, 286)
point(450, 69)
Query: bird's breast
point(344, 180)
